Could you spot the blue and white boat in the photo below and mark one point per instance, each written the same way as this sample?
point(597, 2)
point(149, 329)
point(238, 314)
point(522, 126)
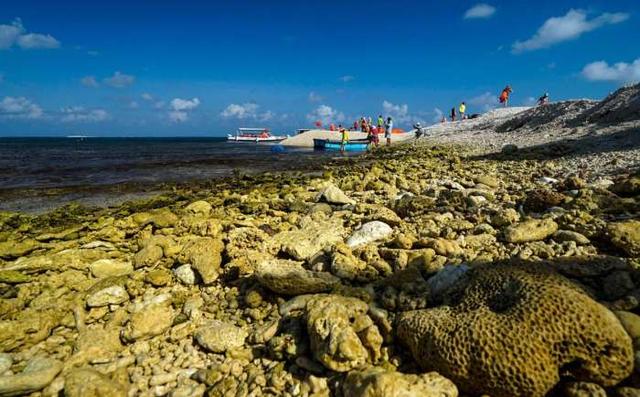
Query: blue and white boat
point(355, 145)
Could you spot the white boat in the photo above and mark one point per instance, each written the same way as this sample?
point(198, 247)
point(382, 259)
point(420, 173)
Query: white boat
point(255, 135)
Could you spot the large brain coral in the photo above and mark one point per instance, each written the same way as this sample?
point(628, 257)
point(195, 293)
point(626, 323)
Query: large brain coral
point(513, 330)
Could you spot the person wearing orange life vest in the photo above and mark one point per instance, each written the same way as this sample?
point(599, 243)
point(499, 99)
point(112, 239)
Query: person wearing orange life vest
point(504, 96)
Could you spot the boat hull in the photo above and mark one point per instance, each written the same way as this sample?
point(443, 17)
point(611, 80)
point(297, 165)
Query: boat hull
point(359, 145)
point(244, 139)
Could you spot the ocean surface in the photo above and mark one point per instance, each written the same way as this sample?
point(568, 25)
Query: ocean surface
point(34, 163)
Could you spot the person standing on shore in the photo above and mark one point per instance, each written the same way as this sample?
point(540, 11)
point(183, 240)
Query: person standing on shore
point(504, 96)
point(453, 114)
point(344, 139)
point(388, 130)
point(462, 109)
point(380, 122)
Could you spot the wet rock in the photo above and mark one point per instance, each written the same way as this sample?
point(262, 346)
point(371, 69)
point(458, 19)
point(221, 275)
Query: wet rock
point(627, 187)
point(530, 230)
point(110, 268)
point(626, 236)
point(368, 233)
point(201, 208)
point(344, 264)
point(38, 373)
point(14, 249)
point(568, 235)
point(204, 254)
point(488, 180)
point(617, 284)
point(219, 336)
point(86, 382)
point(495, 307)
point(158, 277)
point(506, 217)
point(541, 199)
point(148, 322)
point(343, 337)
point(185, 274)
point(583, 389)
point(290, 278)
point(159, 218)
point(380, 382)
point(13, 277)
point(630, 322)
point(333, 195)
point(148, 256)
point(312, 237)
point(113, 295)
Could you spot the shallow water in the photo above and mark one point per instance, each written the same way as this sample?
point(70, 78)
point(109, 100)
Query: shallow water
point(35, 163)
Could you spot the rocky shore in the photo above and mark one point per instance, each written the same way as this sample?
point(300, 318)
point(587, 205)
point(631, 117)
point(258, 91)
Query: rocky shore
point(416, 270)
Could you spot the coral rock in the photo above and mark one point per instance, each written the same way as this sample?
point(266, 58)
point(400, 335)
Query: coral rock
point(379, 382)
point(531, 230)
point(510, 329)
point(38, 373)
point(343, 337)
point(368, 233)
point(219, 336)
point(626, 236)
point(290, 278)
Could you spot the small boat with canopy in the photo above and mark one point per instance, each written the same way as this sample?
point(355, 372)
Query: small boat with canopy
point(254, 135)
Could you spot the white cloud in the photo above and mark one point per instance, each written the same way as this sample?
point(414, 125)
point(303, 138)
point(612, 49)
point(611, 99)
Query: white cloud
point(246, 111)
point(326, 114)
point(119, 80)
point(481, 10)
point(15, 34)
point(485, 102)
point(89, 81)
point(621, 71)
point(313, 97)
point(146, 96)
point(19, 108)
point(35, 40)
point(159, 104)
point(568, 27)
point(180, 108)
point(134, 105)
point(347, 78)
point(79, 114)
point(400, 113)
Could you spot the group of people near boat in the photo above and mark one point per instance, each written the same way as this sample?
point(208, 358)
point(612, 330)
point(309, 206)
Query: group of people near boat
point(366, 124)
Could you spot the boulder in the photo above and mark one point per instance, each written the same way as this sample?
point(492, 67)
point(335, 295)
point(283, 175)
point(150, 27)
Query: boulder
point(110, 268)
point(147, 256)
point(185, 274)
point(312, 237)
point(626, 236)
point(113, 295)
point(38, 373)
point(290, 278)
point(158, 277)
point(204, 254)
point(15, 249)
point(86, 382)
point(333, 195)
point(530, 230)
point(13, 277)
point(380, 382)
point(568, 235)
point(368, 233)
point(219, 336)
point(512, 330)
point(201, 208)
point(149, 321)
point(159, 218)
point(343, 337)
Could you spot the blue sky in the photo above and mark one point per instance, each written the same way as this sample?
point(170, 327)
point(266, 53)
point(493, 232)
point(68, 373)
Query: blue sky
point(188, 68)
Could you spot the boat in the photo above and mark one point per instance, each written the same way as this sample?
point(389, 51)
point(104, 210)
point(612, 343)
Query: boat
point(354, 145)
point(254, 135)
